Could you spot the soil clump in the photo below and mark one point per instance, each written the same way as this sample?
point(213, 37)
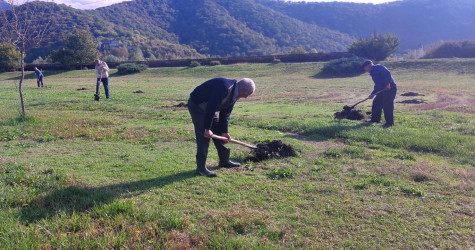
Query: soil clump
point(273, 149)
point(82, 89)
point(412, 101)
point(181, 105)
point(138, 92)
point(350, 114)
point(411, 94)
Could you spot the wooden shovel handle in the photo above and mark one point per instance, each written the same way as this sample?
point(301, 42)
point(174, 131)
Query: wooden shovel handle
point(233, 141)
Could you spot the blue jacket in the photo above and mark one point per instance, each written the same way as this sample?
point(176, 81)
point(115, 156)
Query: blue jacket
point(381, 77)
point(38, 74)
point(215, 95)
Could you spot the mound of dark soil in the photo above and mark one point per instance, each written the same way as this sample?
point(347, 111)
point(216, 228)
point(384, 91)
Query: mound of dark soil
point(349, 114)
point(82, 89)
point(181, 105)
point(138, 92)
point(411, 94)
point(412, 101)
point(273, 149)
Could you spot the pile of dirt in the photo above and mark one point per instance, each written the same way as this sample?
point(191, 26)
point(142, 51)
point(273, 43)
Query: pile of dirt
point(138, 92)
point(273, 149)
point(412, 101)
point(350, 114)
point(181, 105)
point(82, 89)
point(411, 94)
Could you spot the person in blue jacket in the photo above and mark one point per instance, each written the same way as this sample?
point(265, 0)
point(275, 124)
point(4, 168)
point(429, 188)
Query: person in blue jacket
point(210, 105)
point(385, 91)
point(39, 77)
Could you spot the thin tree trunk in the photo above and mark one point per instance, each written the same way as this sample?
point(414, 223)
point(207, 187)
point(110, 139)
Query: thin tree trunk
point(22, 64)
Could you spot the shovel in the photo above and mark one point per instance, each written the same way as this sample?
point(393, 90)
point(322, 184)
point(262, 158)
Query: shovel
point(233, 141)
point(348, 108)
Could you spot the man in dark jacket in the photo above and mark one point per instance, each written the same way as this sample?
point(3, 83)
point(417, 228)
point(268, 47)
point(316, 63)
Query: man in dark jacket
point(210, 106)
point(385, 91)
point(39, 77)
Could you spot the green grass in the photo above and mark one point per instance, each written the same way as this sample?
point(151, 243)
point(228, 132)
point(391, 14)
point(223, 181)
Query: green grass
point(119, 173)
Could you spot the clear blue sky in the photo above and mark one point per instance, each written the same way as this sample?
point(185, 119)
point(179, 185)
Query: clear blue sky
point(92, 4)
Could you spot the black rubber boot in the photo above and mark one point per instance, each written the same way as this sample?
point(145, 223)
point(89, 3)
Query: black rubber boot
point(224, 160)
point(203, 171)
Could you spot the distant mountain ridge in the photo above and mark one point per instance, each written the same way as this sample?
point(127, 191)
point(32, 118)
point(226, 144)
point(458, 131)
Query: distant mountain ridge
point(414, 21)
point(4, 5)
point(170, 29)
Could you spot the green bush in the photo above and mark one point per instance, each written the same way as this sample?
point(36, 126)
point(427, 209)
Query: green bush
point(214, 63)
point(131, 68)
point(9, 57)
point(378, 47)
point(344, 67)
point(462, 49)
point(194, 64)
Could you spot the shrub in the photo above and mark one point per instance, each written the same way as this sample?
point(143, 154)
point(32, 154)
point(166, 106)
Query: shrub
point(344, 67)
point(194, 64)
point(131, 68)
point(461, 49)
point(9, 57)
point(214, 63)
point(378, 47)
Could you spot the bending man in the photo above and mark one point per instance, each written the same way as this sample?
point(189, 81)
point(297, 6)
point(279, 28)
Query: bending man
point(385, 85)
point(210, 106)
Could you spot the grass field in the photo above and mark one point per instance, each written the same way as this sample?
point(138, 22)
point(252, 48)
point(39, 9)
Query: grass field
point(119, 173)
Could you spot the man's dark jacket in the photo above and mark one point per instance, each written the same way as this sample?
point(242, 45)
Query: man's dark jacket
point(215, 95)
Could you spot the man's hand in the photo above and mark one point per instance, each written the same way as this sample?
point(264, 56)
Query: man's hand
point(208, 133)
point(370, 96)
point(388, 87)
point(227, 136)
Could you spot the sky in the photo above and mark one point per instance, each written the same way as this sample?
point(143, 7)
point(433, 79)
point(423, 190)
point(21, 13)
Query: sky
point(93, 4)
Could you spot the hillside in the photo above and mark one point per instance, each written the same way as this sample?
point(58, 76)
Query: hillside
point(170, 29)
point(224, 27)
point(177, 29)
point(413, 21)
point(4, 5)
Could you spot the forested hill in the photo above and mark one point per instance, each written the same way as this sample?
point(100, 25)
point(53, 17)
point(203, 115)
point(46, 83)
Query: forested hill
point(223, 27)
point(413, 21)
point(4, 5)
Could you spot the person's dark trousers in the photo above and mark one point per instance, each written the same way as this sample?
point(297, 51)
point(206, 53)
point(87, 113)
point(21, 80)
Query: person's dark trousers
point(202, 143)
point(39, 82)
point(384, 101)
point(105, 82)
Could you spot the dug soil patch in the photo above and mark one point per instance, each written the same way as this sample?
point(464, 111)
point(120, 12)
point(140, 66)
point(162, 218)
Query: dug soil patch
point(351, 114)
point(273, 149)
point(181, 105)
point(138, 92)
point(82, 89)
point(411, 94)
point(412, 101)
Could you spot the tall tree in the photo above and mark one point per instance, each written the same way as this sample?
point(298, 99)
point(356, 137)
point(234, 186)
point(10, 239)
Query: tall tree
point(23, 27)
point(79, 49)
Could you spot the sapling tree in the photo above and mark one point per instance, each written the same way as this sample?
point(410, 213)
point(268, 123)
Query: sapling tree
point(24, 26)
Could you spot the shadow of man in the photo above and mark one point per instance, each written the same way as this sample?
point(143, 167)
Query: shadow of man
point(79, 199)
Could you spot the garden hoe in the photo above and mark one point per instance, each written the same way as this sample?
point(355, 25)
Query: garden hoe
point(234, 141)
point(348, 108)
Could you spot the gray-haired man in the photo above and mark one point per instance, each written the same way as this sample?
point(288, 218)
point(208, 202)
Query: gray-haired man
point(210, 106)
point(102, 74)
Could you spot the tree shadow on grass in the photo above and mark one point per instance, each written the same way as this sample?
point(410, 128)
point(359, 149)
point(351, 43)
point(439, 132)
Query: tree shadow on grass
point(80, 198)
